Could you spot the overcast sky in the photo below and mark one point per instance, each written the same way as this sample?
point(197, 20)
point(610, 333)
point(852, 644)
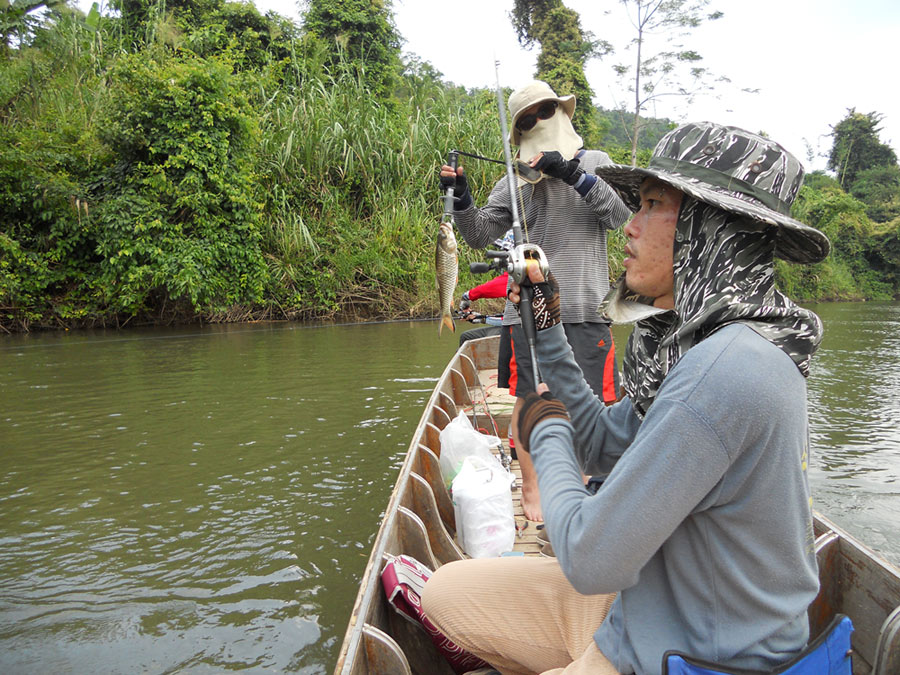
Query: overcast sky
point(810, 59)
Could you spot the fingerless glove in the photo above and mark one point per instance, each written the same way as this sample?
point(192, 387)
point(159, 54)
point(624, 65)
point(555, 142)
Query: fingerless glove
point(553, 164)
point(545, 303)
point(461, 195)
point(536, 409)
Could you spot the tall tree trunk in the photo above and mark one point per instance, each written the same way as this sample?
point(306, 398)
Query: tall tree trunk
point(636, 125)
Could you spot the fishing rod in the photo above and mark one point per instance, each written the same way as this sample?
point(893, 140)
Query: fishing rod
point(523, 254)
point(477, 317)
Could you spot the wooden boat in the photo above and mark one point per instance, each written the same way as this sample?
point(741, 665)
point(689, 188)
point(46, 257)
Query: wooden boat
point(419, 522)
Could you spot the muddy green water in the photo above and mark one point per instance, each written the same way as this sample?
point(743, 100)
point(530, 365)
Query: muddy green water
point(204, 499)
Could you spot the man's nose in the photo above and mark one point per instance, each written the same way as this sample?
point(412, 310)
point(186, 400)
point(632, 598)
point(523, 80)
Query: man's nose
point(631, 227)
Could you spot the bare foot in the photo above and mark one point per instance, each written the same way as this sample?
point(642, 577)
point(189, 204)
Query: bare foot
point(531, 501)
point(531, 496)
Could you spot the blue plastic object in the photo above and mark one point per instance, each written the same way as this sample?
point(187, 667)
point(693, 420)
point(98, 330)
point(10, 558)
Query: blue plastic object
point(829, 654)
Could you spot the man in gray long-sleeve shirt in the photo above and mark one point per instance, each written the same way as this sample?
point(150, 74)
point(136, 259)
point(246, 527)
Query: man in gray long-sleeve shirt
point(567, 212)
point(700, 539)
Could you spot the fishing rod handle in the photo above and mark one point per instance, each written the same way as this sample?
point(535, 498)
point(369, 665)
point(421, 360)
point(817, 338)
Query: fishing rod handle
point(526, 312)
point(452, 162)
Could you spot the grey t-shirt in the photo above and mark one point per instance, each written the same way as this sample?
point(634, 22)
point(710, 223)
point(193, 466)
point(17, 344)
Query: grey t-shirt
point(568, 226)
point(704, 524)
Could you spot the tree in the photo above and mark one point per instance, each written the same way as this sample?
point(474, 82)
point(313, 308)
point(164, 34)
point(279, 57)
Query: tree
point(879, 189)
point(19, 19)
point(361, 31)
point(565, 49)
point(857, 147)
point(655, 73)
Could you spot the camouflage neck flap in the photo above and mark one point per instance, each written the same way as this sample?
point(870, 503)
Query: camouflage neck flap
point(723, 274)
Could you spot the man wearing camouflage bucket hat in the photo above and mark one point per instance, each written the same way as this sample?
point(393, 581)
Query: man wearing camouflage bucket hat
point(700, 539)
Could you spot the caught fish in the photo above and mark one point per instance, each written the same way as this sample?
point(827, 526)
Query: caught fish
point(447, 269)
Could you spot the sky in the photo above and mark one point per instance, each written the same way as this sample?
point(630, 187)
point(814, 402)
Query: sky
point(810, 59)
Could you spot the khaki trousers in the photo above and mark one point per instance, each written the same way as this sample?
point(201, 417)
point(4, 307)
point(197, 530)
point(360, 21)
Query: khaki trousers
point(520, 615)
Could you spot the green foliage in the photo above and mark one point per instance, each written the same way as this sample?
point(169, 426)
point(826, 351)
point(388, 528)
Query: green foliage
point(879, 189)
point(364, 33)
point(857, 147)
point(24, 279)
point(20, 21)
point(852, 270)
point(621, 154)
point(618, 124)
point(49, 101)
point(565, 49)
point(885, 256)
point(819, 180)
point(215, 165)
point(360, 182)
point(177, 210)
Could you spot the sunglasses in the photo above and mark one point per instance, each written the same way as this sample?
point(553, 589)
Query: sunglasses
point(545, 112)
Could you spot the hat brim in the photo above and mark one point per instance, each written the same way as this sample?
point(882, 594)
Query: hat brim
point(797, 242)
point(568, 105)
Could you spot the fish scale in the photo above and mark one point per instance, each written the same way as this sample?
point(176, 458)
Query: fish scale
point(447, 271)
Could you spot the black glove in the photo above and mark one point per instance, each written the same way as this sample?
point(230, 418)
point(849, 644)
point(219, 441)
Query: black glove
point(545, 303)
point(553, 164)
point(464, 302)
point(461, 196)
point(538, 408)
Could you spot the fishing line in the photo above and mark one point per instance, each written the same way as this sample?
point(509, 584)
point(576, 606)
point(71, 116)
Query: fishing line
point(525, 173)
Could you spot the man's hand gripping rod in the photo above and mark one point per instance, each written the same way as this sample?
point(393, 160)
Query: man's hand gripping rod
point(516, 262)
point(452, 160)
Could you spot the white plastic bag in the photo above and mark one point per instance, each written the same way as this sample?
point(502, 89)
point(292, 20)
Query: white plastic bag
point(459, 440)
point(482, 502)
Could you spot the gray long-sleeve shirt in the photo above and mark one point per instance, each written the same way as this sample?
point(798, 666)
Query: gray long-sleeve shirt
point(569, 226)
point(704, 524)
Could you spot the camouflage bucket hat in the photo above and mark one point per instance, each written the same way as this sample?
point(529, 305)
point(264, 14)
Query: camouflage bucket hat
point(734, 170)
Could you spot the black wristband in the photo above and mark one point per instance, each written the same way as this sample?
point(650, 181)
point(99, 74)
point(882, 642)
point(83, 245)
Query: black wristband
point(575, 176)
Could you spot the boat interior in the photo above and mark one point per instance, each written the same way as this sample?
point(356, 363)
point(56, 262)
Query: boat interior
point(419, 522)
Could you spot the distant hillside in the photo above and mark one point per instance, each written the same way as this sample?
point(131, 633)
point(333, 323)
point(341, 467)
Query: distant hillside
point(616, 126)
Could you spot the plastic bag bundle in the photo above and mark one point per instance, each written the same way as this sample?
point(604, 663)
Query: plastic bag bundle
point(482, 502)
point(459, 440)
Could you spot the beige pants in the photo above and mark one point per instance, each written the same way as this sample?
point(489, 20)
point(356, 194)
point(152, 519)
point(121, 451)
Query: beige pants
point(548, 628)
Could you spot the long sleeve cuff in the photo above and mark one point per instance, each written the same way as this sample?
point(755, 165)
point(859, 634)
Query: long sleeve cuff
point(584, 184)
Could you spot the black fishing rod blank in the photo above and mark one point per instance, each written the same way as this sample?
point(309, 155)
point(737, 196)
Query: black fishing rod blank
point(523, 253)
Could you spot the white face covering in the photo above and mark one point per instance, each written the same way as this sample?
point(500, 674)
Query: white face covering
point(555, 133)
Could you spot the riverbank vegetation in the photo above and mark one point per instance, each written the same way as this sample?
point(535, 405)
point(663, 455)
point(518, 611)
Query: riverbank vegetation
point(200, 161)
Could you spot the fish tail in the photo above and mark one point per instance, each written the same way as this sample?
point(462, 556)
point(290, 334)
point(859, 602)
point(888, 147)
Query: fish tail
point(446, 320)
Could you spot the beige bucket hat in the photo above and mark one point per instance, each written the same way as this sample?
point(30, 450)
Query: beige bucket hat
point(530, 94)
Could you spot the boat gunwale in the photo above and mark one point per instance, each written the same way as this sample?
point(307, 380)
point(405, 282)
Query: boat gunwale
point(350, 647)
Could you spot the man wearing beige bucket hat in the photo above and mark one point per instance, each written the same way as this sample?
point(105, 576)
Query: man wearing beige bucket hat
point(567, 211)
point(696, 555)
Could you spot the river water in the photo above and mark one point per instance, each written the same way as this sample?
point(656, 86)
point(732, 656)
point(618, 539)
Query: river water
point(204, 499)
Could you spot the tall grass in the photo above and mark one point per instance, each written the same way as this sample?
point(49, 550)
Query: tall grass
point(359, 177)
